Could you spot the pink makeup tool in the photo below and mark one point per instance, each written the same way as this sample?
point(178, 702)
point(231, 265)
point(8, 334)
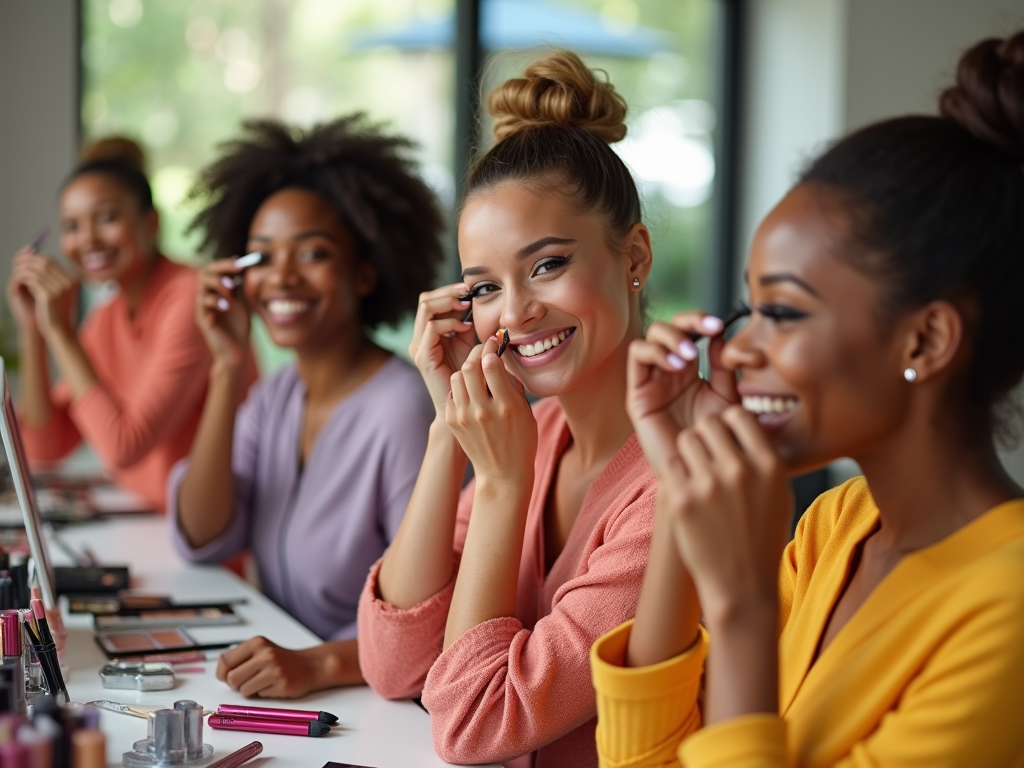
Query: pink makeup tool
point(282, 727)
point(274, 713)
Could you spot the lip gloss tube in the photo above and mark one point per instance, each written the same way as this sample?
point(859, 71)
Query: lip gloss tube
point(10, 628)
point(282, 727)
point(273, 713)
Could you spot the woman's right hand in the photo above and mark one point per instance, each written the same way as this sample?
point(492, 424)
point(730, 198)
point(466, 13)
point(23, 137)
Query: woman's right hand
point(664, 393)
point(222, 314)
point(441, 341)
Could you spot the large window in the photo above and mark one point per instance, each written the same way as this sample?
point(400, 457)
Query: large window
point(180, 76)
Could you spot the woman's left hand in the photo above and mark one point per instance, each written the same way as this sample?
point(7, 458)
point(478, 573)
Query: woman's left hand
point(54, 292)
point(491, 418)
point(732, 508)
point(259, 667)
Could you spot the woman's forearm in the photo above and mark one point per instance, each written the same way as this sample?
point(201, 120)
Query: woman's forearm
point(36, 404)
point(206, 496)
point(418, 563)
point(335, 663)
point(73, 363)
point(668, 611)
point(489, 572)
point(743, 661)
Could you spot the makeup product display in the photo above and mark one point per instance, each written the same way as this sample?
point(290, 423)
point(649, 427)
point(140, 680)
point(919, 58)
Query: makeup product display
point(200, 616)
point(37, 630)
point(239, 756)
point(274, 713)
point(55, 737)
point(90, 580)
point(173, 737)
point(145, 676)
point(121, 642)
point(259, 725)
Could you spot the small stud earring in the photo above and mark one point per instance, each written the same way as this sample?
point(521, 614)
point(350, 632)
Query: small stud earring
point(910, 375)
point(636, 283)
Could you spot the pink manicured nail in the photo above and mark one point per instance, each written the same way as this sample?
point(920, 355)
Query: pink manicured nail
point(712, 323)
point(227, 282)
point(687, 350)
point(222, 304)
point(676, 362)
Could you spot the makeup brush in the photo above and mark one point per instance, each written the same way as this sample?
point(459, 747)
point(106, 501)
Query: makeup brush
point(243, 263)
point(47, 640)
point(38, 240)
point(503, 332)
point(737, 314)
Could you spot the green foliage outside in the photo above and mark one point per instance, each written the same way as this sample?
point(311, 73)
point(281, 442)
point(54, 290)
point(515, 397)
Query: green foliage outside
point(181, 75)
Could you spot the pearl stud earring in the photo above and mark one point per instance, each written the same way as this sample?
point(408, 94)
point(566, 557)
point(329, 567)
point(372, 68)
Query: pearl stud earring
point(910, 375)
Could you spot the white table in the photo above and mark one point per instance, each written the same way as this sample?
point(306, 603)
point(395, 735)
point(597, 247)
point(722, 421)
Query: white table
point(372, 731)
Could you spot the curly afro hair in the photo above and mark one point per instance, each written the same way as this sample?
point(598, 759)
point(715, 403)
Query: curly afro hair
point(364, 174)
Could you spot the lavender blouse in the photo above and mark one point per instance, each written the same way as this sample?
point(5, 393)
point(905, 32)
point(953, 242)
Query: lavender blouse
point(315, 533)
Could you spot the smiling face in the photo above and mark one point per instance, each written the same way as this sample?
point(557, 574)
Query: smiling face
point(817, 363)
point(547, 273)
point(308, 288)
point(102, 229)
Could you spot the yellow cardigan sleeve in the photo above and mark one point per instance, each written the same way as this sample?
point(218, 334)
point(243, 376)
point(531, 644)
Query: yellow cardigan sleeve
point(644, 713)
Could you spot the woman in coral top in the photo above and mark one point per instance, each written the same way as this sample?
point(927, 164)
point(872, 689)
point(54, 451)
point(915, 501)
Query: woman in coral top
point(488, 600)
point(885, 290)
point(133, 377)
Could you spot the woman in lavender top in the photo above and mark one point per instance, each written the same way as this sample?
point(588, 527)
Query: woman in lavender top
point(314, 471)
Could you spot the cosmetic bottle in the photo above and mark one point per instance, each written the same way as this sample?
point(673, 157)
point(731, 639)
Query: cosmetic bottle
point(10, 639)
point(88, 749)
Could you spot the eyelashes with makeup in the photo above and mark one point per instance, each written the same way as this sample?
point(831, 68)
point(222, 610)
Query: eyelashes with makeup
point(555, 262)
point(780, 312)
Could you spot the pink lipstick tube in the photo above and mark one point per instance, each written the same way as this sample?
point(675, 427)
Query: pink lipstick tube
point(282, 727)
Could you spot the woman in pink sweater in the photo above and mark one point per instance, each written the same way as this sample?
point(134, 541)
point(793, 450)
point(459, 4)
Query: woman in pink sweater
point(487, 601)
point(133, 376)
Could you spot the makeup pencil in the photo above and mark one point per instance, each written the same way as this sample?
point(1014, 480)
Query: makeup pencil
point(239, 756)
point(737, 314)
point(38, 240)
point(50, 648)
point(273, 713)
point(255, 725)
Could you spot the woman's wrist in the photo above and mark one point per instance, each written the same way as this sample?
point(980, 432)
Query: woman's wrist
point(745, 614)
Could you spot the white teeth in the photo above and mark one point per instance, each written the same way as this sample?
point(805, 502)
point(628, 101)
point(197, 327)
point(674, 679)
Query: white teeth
point(96, 260)
point(529, 350)
point(287, 308)
point(765, 404)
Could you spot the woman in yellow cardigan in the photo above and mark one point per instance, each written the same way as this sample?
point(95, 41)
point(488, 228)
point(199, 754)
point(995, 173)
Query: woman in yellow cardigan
point(886, 325)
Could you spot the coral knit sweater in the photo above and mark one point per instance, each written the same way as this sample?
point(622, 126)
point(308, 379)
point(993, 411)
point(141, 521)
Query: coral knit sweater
point(928, 672)
point(517, 684)
point(152, 370)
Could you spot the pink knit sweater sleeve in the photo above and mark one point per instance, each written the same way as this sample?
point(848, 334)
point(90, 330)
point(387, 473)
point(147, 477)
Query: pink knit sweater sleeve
point(56, 438)
point(502, 690)
point(396, 647)
point(167, 385)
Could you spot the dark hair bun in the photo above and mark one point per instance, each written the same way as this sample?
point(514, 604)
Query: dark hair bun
point(559, 90)
point(114, 149)
point(988, 98)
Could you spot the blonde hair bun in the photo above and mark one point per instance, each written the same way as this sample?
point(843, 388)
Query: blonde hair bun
point(559, 90)
point(118, 149)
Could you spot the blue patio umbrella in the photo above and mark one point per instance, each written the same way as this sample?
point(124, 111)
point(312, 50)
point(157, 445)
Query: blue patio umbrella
point(519, 24)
